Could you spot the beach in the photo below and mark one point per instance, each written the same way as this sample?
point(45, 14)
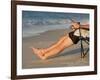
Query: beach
point(68, 58)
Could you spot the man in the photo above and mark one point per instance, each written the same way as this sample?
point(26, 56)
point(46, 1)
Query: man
point(64, 42)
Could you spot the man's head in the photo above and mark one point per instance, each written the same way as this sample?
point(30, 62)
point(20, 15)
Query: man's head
point(75, 25)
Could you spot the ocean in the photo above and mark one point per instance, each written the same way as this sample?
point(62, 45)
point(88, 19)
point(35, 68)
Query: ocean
point(36, 22)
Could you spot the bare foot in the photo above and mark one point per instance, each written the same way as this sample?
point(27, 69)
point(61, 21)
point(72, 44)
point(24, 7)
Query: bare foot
point(43, 51)
point(38, 53)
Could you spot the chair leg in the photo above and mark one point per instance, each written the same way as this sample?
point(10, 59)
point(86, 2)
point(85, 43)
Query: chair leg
point(82, 50)
point(85, 53)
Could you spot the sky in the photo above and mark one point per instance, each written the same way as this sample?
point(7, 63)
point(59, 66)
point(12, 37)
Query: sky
point(36, 22)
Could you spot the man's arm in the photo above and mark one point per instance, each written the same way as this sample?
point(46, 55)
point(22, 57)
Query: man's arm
point(77, 25)
point(85, 26)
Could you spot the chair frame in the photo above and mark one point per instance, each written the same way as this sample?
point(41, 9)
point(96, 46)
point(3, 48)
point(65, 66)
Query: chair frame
point(83, 52)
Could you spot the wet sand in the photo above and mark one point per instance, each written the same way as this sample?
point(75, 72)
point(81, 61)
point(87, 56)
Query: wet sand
point(69, 57)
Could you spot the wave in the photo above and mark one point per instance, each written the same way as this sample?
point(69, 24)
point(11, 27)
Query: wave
point(36, 30)
point(33, 27)
point(45, 21)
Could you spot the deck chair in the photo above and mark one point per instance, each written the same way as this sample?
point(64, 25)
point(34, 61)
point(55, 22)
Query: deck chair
point(86, 40)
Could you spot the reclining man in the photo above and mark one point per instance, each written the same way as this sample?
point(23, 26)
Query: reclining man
point(64, 42)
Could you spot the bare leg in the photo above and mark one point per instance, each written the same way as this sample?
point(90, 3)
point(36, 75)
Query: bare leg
point(60, 47)
point(53, 45)
point(63, 43)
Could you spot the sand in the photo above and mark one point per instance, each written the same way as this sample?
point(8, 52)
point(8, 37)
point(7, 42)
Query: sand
point(68, 58)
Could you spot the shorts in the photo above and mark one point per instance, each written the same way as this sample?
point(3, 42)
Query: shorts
point(74, 38)
point(75, 35)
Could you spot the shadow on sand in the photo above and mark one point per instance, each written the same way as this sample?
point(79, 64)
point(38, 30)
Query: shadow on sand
point(71, 52)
